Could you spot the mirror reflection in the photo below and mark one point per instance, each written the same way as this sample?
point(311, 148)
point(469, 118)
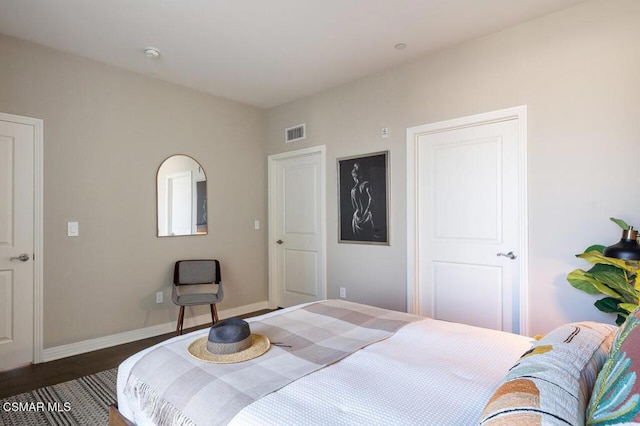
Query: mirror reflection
point(182, 197)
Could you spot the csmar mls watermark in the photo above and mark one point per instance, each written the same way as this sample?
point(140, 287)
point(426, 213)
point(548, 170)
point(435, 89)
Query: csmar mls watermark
point(37, 406)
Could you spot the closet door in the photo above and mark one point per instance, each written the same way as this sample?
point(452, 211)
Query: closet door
point(470, 222)
point(17, 150)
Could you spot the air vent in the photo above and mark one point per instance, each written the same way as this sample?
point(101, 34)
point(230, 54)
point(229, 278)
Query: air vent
point(295, 133)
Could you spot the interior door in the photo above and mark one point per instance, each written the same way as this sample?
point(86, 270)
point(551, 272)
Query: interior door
point(298, 232)
point(17, 150)
point(179, 188)
point(468, 220)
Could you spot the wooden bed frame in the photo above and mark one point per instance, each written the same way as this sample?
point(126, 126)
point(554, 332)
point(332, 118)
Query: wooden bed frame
point(117, 419)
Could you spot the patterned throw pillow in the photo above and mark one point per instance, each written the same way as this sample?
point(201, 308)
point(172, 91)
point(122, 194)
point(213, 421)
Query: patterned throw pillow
point(616, 394)
point(552, 382)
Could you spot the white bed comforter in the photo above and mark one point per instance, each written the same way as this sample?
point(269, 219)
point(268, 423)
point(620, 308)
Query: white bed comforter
point(428, 373)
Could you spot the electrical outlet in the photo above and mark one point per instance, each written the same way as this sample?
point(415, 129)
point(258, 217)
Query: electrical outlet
point(343, 292)
point(159, 297)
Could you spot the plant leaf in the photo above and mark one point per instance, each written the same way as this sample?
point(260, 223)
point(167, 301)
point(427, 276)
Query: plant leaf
point(581, 281)
point(621, 223)
point(609, 305)
point(629, 307)
point(596, 247)
point(615, 278)
point(586, 282)
point(595, 257)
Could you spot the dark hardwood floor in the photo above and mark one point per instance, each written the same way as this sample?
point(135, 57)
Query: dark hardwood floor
point(35, 376)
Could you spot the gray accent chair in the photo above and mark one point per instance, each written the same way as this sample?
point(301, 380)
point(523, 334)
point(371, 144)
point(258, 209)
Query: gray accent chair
point(198, 275)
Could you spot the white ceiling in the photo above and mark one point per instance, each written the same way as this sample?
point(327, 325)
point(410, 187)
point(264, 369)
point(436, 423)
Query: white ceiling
point(261, 52)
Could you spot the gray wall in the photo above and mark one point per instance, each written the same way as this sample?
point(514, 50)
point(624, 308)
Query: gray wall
point(106, 132)
point(577, 71)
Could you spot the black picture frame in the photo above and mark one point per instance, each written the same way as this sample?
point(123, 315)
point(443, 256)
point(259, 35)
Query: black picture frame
point(363, 199)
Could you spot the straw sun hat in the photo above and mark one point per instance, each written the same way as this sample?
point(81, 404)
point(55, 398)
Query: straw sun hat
point(229, 341)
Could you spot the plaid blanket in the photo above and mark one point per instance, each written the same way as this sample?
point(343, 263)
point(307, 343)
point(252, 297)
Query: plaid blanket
point(172, 387)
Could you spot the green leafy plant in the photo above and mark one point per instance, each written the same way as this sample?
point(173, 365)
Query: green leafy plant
point(614, 278)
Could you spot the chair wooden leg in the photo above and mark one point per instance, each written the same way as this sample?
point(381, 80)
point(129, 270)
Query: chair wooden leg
point(180, 321)
point(214, 313)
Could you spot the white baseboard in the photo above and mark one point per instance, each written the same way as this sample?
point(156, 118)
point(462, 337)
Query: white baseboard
point(58, 352)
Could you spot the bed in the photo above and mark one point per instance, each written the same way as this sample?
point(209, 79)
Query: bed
point(338, 362)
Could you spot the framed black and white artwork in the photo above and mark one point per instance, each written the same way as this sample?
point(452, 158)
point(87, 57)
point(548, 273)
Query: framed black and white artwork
point(363, 199)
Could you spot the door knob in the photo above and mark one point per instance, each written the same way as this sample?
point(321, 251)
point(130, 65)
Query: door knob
point(23, 257)
point(279, 241)
point(511, 255)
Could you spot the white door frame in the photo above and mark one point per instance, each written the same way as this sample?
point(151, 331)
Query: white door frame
point(413, 274)
point(38, 251)
point(272, 212)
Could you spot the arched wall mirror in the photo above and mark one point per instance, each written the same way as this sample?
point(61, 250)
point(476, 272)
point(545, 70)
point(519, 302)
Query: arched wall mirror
point(182, 197)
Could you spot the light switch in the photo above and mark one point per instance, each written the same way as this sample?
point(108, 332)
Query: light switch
point(256, 224)
point(73, 229)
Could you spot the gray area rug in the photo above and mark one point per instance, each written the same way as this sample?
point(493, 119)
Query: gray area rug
point(84, 401)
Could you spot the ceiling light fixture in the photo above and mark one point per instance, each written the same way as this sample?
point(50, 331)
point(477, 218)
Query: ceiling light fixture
point(151, 52)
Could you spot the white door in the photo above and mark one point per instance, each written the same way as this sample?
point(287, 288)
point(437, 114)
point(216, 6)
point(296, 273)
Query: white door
point(17, 150)
point(297, 227)
point(469, 220)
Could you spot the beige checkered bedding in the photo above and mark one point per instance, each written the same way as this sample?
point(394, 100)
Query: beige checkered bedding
point(171, 387)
